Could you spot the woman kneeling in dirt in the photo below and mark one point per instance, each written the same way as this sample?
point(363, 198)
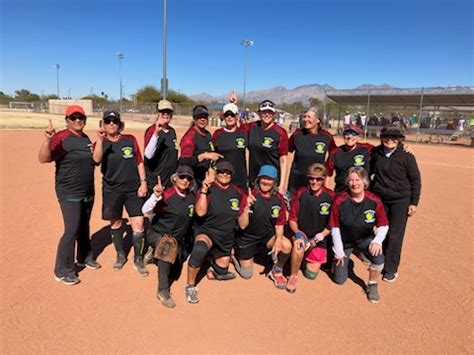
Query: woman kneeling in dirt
point(173, 210)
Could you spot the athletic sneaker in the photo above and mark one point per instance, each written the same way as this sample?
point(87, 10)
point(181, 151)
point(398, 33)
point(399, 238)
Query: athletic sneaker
point(291, 284)
point(89, 263)
point(213, 275)
point(389, 277)
point(67, 280)
point(165, 297)
point(140, 267)
point(192, 294)
point(148, 257)
point(121, 260)
point(372, 293)
point(276, 275)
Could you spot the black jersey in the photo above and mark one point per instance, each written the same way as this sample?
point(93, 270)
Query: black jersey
point(74, 165)
point(165, 160)
point(193, 143)
point(232, 146)
point(266, 146)
point(266, 213)
point(309, 149)
point(357, 220)
point(342, 159)
point(223, 209)
point(120, 164)
point(174, 213)
point(311, 211)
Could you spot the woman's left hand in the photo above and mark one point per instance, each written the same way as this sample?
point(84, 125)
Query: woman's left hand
point(142, 190)
point(407, 149)
point(375, 249)
point(411, 210)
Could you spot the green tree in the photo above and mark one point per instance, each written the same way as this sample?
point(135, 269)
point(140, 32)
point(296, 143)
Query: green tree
point(314, 101)
point(5, 99)
point(96, 99)
point(51, 97)
point(24, 95)
point(148, 93)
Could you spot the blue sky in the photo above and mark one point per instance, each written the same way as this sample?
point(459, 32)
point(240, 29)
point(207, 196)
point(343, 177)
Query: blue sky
point(340, 42)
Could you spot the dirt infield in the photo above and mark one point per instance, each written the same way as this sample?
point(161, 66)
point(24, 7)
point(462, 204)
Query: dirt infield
point(428, 309)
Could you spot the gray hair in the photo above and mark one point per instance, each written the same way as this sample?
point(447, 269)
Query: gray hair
point(316, 110)
point(360, 172)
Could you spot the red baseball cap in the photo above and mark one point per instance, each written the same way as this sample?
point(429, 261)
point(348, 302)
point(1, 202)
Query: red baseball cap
point(70, 110)
point(352, 127)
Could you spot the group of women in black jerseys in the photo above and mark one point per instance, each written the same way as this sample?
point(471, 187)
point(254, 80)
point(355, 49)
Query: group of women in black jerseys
point(221, 209)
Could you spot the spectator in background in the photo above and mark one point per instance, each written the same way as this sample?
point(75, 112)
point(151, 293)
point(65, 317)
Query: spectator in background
point(347, 118)
point(363, 120)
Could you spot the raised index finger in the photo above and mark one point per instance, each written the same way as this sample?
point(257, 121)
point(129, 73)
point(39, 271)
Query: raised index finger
point(158, 180)
point(50, 124)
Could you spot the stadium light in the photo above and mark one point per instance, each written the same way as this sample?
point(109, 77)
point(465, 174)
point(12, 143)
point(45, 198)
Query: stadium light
point(57, 80)
point(246, 43)
point(120, 57)
point(164, 80)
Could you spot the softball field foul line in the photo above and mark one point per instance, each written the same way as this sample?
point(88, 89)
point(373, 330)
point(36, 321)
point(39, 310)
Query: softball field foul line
point(448, 165)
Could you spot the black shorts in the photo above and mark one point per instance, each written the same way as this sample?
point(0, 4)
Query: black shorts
point(220, 246)
point(248, 244)
point(113, 203)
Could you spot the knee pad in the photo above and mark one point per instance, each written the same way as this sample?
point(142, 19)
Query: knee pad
point(376, 267)
point(246, 272)
point(198, 254)
point(219, 269)
point(311, 275)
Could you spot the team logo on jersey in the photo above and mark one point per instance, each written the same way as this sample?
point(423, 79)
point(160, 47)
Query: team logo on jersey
point(324, 208)
point(240, 143)
point(211, 146)
point(369, 216)
point(359, 160)
point(276, 211)
point(127, 152)
point(91, 147)
point(320, 147)
point(234, 204)
point(190, 210)
point(267, 142)
point(175, 144)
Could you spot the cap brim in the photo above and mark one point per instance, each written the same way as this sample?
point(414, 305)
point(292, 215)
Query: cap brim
point(267, 109)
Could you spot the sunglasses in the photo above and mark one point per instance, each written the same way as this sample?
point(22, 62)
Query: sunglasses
point(229, 114)
point(113, 120)
point(351, 133)
point(316, 178)
point(228, 172)
point(391, 137)
point(185, 177)
point(75, 118)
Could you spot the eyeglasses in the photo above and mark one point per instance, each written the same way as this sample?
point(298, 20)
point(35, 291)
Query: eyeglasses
point(316, 178)
point(229, 114)
point(228, 172)
point(185, 177)
point(78, 117)
point(350, 133)
point(113, 120)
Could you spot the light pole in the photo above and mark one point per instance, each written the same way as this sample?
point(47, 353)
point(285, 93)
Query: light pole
point(164, 80)
point(246, 43)
point(57, 80)
point(120, 57)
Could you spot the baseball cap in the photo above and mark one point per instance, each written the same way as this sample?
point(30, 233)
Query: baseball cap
point(231, 107)
point(186, 171)
point(224, 165)
point(266, 105)
point(108, 114)
point(164, 105)
point(268, 171)
point(72, 109)
point(200, 110)
point(351, 128)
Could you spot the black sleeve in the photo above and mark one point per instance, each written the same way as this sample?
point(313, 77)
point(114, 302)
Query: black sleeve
point(190, 161)
point(414, 176)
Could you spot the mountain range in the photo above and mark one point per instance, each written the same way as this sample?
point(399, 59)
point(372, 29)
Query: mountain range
point(280, 94)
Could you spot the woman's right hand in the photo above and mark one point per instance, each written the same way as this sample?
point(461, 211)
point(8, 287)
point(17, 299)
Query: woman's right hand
point(213, 156)
point(210, 177)
point(50, 131)
point(339, 261)
point(158, 188)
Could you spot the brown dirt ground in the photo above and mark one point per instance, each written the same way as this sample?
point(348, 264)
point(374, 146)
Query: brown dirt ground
point(428, 309)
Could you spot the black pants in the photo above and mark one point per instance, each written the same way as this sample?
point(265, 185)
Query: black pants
point(397, 214)
point(76, 216)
